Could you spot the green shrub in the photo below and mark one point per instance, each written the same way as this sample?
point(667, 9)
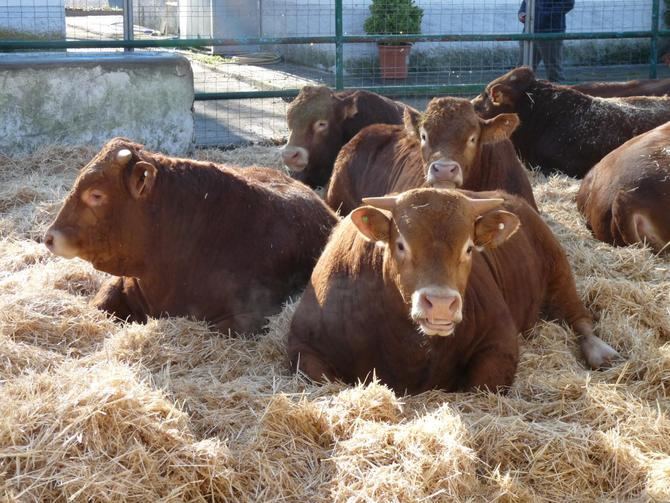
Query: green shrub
point(393, 17)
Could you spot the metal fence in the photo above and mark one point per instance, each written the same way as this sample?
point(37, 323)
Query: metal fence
point(251, 56)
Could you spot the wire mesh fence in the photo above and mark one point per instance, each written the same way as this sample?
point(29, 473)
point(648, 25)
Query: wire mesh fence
point(250, 56)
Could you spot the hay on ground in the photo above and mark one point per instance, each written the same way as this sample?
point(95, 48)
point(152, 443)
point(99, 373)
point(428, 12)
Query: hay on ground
point(171, 411)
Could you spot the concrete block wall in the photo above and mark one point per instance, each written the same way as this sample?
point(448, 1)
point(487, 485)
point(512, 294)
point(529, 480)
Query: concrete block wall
point(88, 98)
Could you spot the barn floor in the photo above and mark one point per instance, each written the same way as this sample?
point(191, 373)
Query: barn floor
point(170, 411)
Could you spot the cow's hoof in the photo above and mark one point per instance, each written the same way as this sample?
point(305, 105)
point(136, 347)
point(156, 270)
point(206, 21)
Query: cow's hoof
point(598, 353)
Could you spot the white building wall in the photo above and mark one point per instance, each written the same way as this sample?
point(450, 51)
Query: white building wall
point(37, 17)
point(283, 18)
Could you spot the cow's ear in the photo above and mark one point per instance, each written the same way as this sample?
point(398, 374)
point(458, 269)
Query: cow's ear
point(494, 228)
point(348, 105)
point(373, 223)
point(499, 95)
point(521, 78)
point(499, 128)
point(142, 179)
point(411, 118)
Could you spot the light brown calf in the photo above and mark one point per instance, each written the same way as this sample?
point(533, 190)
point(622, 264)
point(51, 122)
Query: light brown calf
point(430, 289)
point(447, 146)
point(190, 238)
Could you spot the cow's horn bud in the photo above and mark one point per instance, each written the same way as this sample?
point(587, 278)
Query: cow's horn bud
point(481, 206)
point(383, 203)
point(124, 155)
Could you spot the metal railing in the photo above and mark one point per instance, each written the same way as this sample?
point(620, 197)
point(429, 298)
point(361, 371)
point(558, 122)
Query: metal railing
point(340, 40)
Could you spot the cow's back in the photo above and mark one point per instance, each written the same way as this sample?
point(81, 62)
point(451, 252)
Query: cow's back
point(371, 109)
point(237, 242)
point(564, 130)
point(649, 87)
point(379, 160)
point(634, 178)
point(290, 218)
point(500, 169)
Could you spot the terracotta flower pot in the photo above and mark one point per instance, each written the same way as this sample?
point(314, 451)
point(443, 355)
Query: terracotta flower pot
point(393, 60)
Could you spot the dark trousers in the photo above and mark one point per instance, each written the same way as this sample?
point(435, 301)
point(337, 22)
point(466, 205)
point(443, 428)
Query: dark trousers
point(551, 53)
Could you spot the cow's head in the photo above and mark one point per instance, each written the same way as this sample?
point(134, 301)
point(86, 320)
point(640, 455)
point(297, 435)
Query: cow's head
point(451, 136)
point(101, 219)
point(504, 94)
point(430, 236)
point(315, 123)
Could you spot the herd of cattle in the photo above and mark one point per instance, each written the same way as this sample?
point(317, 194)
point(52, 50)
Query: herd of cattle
point(427, 256)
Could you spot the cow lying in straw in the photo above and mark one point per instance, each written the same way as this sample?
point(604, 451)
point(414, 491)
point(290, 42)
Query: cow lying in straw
point(447, 146)
point(430, 288)
point(626, 196)
point(562, 129)
point(189, 238)
point(321, 121)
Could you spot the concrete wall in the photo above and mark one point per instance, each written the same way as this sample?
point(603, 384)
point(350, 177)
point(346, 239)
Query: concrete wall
point(26, 18)
point(88, 98)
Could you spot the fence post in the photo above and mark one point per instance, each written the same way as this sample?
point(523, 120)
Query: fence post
point(128, 33)
point(339, 47)
point(653, 45)
point(528, 27)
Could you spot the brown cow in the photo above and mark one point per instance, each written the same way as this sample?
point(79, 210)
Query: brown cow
point(402, 290)
point(190, 238)
point(447, 146)
point(565, 130)
point(626, 196)
point(648, 87)
point(321, 121)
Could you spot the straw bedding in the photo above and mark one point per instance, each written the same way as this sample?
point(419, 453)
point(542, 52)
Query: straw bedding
point(91, 410)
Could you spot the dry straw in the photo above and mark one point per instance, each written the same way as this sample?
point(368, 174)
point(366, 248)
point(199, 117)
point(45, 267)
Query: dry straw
point(91, 410)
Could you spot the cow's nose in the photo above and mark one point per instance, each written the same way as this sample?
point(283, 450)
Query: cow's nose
point(443, 308)
point(295, 157)
point(49, 240)
point(290, 156)
point(444, 171)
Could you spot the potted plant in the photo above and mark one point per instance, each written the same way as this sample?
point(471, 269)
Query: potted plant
point(394, 17)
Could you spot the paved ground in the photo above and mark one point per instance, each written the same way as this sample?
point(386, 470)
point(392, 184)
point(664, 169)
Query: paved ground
point(233, 122)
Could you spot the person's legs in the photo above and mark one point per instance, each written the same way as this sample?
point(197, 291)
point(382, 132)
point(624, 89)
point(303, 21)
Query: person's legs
point(552, 55)
point(537, 55)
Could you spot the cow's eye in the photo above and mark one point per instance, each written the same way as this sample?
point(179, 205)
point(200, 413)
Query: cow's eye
point(95, 197)
point(400, 246)
point(469, 249)
point(424, 137)
point(473, 139)
point(321, 125)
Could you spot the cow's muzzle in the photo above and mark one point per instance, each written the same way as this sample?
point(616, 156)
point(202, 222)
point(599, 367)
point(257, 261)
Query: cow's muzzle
point(58, 244)
point(295, 158)
point(444, 174)
point(437, 310)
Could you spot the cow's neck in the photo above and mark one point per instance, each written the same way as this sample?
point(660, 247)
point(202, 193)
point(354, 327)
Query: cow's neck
point(477, 177)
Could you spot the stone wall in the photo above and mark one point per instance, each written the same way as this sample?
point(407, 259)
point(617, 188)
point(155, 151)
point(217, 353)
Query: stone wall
point(88, 98)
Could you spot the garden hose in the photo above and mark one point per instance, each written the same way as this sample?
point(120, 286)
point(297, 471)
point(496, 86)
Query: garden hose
point(257, 58)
